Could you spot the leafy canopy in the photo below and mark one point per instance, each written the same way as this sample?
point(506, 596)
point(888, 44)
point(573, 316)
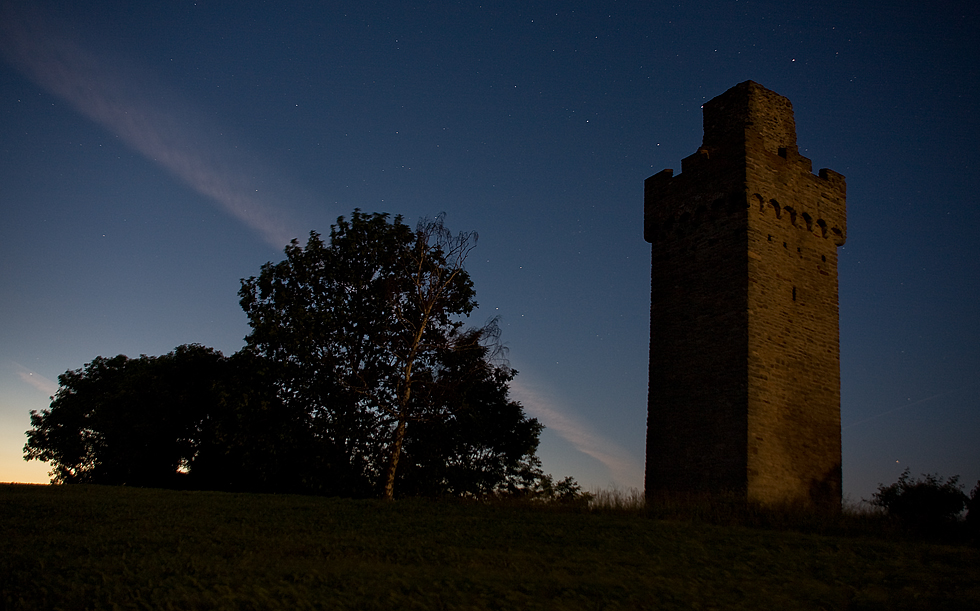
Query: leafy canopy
point(127, 421)
point(358, 373)
point(367, 334)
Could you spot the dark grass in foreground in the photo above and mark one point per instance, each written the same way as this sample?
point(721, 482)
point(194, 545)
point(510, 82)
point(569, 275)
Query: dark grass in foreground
point(77, 547)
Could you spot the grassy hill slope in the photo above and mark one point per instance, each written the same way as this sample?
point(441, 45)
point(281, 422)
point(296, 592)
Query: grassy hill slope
point(78, 547)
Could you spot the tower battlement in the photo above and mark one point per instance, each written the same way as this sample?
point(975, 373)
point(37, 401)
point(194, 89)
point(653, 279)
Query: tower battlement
point(749, 130)
point(744, 343)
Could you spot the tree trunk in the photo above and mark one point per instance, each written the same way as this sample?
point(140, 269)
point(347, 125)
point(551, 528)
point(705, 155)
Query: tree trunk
point(396, 450)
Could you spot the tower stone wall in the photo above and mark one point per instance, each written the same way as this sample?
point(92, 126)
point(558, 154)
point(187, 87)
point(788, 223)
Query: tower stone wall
point(744, 394)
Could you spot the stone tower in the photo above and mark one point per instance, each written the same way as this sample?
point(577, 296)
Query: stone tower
point(744, 339)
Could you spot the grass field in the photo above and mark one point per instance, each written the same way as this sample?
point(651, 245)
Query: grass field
point(90, 547)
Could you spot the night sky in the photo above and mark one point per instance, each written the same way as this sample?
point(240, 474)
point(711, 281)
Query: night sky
point(152, 154)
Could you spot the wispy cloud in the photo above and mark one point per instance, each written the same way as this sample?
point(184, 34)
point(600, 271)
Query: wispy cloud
point(623, 467)
point(48, 387)
point(149, 119)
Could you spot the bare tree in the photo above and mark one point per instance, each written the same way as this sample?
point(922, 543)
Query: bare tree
point(438, 278)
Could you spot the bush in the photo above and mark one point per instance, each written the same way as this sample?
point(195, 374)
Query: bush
point(922, 504)
point(532, 485)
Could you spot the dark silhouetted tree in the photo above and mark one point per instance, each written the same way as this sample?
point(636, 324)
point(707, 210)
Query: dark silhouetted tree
point(973, 511)
point(367, 337)
point(358, 362)
point(127, 421)
point(478, 445)
point(249, 440)
point(188, 419)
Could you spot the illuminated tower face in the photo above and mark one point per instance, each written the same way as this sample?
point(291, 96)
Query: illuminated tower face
point(744, 339)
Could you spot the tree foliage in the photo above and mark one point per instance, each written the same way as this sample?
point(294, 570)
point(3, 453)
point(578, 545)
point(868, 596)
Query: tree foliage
point(367, 336)
point(973, 509)
point(480, 441)
point(188, 419)
point(358, 375)
point(126, 421)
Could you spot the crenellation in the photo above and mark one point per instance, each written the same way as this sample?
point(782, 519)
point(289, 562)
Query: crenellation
point(697, 212)
point(744, 353)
